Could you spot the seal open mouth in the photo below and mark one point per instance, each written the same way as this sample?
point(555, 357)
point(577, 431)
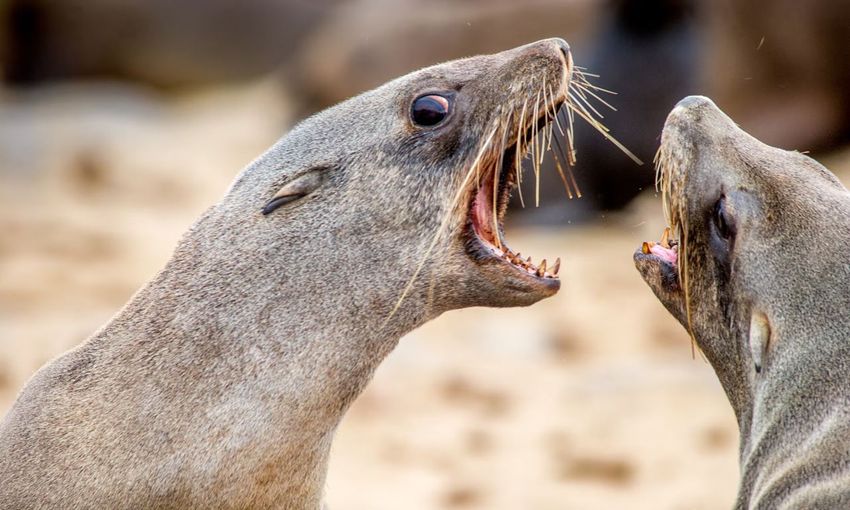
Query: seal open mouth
point(489, 202)
point(665, 255)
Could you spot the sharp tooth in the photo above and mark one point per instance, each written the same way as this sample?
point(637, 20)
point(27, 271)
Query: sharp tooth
point(528, 261)
point(646, 249)
point(542, 269)
point(557, 266)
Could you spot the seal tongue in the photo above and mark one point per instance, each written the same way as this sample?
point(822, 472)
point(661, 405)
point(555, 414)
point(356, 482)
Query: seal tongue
point(665, 249)
point(668, 254)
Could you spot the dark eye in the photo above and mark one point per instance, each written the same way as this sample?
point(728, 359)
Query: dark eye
point(723, 221)
point(430, 110)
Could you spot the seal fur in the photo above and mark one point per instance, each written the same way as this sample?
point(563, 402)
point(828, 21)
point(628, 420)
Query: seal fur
point(220, 384)
point(759, 275)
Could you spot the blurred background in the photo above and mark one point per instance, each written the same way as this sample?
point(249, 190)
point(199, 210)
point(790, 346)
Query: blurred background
point(122, 120)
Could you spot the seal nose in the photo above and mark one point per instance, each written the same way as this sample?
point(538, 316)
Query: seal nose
point(694, 102)
point(562, 45)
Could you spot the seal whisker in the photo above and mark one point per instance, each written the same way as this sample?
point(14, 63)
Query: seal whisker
point(584, 72)
point(505, 126)
point(581, 99)
point(555, 111)
point(578, 105)
point(582, 90)
point(519, 152)
point(535, 150)
point(568, 113)
point(569, 170)
point(604, 132)
point(583, 82)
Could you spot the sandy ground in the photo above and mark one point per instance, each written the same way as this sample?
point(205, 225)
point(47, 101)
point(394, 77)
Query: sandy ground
point(590, 399)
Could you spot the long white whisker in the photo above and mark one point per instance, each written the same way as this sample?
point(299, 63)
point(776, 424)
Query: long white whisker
point(593, 122)
point(596, 97)
point(580, 99)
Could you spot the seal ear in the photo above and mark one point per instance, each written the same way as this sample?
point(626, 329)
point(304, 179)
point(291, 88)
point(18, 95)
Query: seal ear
point(759, 338)
point(299, 187)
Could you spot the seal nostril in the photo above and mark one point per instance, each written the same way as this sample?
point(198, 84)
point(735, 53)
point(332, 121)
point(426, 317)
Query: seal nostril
point(563, 45)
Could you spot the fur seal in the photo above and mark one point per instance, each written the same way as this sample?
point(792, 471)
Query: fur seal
point(758, 274)
point(220, 384)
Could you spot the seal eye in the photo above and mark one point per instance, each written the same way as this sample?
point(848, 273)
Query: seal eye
point(430, 110)
point(723, 222)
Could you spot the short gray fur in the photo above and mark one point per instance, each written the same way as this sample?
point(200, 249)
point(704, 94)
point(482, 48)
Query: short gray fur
point(220, 384)
point(773, 315)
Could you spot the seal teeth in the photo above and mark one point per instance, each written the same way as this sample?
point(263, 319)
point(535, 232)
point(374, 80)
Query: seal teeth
point(541, 270)
point(544, 270)
point(646, 249)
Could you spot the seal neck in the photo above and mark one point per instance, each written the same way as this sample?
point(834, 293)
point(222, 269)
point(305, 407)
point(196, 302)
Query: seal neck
point(797, 410)
point(276, 345)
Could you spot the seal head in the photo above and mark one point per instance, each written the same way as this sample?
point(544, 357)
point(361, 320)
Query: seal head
point(756, 270)
point(417, 172)
point(221, 383)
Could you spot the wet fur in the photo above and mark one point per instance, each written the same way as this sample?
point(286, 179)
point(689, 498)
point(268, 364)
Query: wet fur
point(220, 384)
point(789, 260)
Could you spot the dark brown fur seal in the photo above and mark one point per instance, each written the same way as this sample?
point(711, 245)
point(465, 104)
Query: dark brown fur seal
point(759, 275)
point(220, 384)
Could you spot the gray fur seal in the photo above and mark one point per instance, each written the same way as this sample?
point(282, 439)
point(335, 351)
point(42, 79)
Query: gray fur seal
point(220, 384)
point(758, 273)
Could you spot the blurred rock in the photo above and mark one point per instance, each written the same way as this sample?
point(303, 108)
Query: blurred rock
point(158, 42)
point(368, 42)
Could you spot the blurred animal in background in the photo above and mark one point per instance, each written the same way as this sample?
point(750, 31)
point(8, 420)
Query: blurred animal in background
point(165, 44)
point(646, 52)
point(780, 67)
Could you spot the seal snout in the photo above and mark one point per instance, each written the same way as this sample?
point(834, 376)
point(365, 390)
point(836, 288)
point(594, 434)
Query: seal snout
point(562, 45)
point(663, 258)
point(693, 102)
point(699, 115)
